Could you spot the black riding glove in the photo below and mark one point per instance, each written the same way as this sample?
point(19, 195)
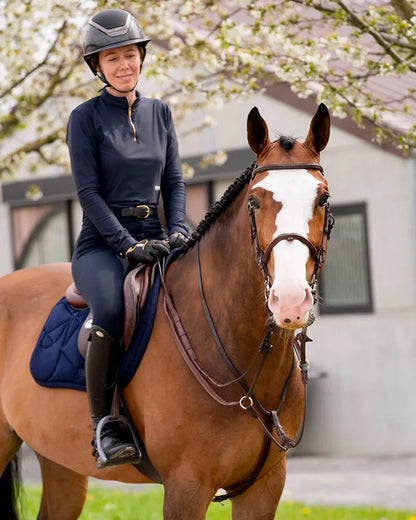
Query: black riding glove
point(147, 251)
point(177, 239)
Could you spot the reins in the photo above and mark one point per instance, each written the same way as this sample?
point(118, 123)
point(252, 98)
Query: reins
point(267, 419)
point(264, 349)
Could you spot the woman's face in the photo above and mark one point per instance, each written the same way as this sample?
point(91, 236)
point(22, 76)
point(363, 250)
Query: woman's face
point(121, 66)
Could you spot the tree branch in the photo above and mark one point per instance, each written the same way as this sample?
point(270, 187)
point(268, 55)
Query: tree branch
point(403, 9)
point(36, 67)
point(364, 27)
point(32, 146)
point(8, 125)
point(357, 22)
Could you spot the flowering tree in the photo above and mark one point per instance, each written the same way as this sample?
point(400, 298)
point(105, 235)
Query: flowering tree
point(359, 59)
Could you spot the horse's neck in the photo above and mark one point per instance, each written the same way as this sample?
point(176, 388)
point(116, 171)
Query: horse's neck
point(232, 280)
point(233, 286)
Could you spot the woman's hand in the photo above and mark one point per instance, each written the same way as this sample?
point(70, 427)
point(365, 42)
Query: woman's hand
point(147, 251)
point(177, 239)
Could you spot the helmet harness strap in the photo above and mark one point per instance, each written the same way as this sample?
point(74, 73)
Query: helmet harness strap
point(107, 84)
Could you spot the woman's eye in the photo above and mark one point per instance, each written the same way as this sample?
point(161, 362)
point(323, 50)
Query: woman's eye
point(324, 199)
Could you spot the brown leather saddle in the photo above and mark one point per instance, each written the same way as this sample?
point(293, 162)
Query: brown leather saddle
point(136, 289)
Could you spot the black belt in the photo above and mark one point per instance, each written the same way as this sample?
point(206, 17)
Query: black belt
point(141, 211)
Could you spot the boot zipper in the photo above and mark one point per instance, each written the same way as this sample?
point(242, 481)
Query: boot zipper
point(132, 125)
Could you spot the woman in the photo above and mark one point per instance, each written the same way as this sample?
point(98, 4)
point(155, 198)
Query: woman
point(124, 154)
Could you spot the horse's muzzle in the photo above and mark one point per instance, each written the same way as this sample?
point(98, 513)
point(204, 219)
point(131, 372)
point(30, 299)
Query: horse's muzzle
point(291, 311)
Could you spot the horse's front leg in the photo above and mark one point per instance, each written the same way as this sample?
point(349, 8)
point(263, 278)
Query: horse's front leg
point(260, 501)
point(186, 496)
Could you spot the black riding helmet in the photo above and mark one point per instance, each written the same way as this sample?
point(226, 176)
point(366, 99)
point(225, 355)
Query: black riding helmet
point(110, 29)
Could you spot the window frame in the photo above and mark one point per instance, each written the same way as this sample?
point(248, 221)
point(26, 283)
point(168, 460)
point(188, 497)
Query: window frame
point(64, 207)
point(353, 308)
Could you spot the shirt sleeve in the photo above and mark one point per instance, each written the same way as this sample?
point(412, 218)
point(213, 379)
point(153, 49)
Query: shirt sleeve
point(173, 186)
point(81, 142)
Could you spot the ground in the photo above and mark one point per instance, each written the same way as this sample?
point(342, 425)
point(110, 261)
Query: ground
point(376, 481)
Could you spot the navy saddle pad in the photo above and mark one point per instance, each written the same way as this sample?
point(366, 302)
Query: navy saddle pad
point(56, 361)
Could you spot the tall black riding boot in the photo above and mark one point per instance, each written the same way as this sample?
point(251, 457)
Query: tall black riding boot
point(101, 366)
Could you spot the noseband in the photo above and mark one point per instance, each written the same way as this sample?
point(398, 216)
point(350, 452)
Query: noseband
point(318, 255)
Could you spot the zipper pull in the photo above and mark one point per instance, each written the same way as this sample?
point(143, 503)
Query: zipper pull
point(132, 124)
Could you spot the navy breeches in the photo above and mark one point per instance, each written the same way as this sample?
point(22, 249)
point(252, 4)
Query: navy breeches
point(99, 273)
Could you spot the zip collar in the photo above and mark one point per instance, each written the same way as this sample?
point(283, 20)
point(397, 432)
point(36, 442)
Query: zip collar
point(119, 101)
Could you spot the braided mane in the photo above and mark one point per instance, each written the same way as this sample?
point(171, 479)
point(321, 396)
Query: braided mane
point(219, 207)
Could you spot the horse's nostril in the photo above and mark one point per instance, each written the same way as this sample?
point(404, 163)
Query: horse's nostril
point(276, 298)
point(287, 320)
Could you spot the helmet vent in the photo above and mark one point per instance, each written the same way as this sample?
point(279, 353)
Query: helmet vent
point(115, 31)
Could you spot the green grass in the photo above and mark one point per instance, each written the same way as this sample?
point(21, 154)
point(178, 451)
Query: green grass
point(112, 504)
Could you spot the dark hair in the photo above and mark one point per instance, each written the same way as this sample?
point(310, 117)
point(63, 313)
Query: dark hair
point(287, 143)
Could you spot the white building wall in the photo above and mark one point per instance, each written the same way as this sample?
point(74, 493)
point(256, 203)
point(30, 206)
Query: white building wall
point(6, 256)
point(366, 403)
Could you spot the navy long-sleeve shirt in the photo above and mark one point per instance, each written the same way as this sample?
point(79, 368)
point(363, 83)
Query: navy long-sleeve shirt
point(123, 156)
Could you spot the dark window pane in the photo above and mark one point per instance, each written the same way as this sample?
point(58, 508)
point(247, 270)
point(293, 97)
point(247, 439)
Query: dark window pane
point(345, 285)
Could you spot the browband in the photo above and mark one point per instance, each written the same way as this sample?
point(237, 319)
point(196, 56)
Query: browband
point(295, 166)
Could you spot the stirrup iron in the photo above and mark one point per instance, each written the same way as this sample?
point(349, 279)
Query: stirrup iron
point(101, 458)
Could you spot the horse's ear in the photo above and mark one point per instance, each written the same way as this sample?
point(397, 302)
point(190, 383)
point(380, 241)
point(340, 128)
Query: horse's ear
point(257, 131)
point(318, 134)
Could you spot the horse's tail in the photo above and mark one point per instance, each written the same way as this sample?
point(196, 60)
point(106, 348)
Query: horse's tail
point(9, 490)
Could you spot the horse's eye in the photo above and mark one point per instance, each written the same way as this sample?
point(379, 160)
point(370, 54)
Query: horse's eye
point(254, 203)
point(324, 199)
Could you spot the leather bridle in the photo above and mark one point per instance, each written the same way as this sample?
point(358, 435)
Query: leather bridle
point(318, 255)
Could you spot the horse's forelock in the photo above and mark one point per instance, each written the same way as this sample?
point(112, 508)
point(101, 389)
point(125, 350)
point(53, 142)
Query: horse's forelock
point(287, 143)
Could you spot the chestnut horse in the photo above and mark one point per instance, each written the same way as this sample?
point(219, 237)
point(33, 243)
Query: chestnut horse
point(197, 444)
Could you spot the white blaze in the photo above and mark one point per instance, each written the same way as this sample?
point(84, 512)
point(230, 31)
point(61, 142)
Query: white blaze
point(296, 191)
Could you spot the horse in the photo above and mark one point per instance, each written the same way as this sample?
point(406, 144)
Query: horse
point(245, 279)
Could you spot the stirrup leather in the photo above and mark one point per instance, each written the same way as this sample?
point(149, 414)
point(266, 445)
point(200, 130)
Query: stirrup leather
point(101, 458)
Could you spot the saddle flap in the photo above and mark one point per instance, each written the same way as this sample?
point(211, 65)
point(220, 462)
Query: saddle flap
point(137, 285)
point(136, 290)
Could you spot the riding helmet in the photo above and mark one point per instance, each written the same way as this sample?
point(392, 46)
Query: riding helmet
point(110, 29)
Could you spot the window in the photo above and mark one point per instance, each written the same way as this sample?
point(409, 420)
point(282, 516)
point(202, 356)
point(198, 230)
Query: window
point(345, 283)
point(42, 234)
